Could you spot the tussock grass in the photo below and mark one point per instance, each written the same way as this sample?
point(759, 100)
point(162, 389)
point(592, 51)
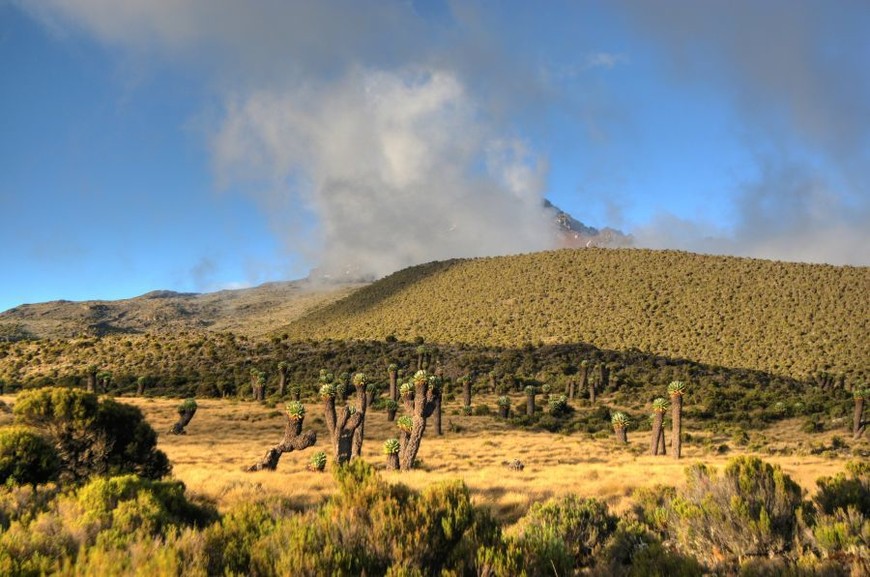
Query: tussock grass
point(226, 436)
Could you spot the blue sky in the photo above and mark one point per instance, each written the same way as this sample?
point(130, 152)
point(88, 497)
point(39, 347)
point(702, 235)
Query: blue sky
point(207, 144)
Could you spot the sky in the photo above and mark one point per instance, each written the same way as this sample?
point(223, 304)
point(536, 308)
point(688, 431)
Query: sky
point(200, 145)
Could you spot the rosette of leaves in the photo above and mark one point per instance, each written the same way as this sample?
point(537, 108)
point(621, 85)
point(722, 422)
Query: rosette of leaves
point(317, 462)
point(405, 423)
point(620, 423)
point(559, 406)
point(359, 380)
point(327, 391)
point(391, 447)
point(504, 406)
point(189, 405)
point(391, 407)
point(295, 410)
point(530, 390)
point(420, 377)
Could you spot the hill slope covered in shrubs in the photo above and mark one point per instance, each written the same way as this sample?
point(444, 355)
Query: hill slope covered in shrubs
point(785, 318)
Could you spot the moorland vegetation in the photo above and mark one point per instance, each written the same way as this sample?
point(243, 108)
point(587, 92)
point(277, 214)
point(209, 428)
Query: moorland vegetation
point(586, 343)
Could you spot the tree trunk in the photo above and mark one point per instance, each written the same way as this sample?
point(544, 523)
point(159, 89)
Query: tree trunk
point(282, 382)
point(677, 418)
point(92, 382)
point(436, 415)
point(393, 462)
point(394, 390)
point(591, 392)
point(621, 436)
point(584, 378)
point(424, 404)
point(655, 438)
point(603, 376)
point(663, 450)
point(530, 405)
point(294, 440)
point(571, 390)
point(466, 393)
point(341, 426)
point(391, 415)
point(857, 424)
point(406, 461)
point(362, 396)
point(184, 419)
point(504, 412)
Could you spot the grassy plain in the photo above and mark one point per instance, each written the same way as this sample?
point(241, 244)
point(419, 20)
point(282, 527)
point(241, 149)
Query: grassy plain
point(227, 435)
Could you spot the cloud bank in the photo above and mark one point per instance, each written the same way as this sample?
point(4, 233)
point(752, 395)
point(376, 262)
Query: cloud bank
point(356, 116)
point(395, 125)
point(797, 76)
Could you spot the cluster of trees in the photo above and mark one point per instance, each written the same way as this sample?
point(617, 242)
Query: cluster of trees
point(217, 365)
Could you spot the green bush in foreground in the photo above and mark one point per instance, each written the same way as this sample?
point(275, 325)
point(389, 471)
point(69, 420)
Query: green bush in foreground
point(92, 436)
point(26, 457)
point(128, 525)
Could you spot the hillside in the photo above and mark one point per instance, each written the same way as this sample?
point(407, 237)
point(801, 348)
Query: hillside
point(252, 311)
point(784, 318)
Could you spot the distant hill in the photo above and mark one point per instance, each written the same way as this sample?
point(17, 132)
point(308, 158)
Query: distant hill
point(252, 311)
point(784, 318)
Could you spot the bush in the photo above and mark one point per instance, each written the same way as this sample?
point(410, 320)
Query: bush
point(26, 457)
point(632, 551)
point(92, 436)
point(748, 511)
point(562, 534)
point(843, 491)
point(118, 514)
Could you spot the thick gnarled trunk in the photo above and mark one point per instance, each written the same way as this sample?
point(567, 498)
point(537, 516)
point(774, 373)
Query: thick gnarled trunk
point(425, 401)
point(341, 425)
point(294, 440)
point(184, 418)
point(858, 425)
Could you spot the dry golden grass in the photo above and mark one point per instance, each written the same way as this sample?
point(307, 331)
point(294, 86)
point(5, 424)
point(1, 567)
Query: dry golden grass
point(227, 435)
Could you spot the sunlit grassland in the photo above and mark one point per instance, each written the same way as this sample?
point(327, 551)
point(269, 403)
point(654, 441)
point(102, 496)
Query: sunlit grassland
point(227, 435)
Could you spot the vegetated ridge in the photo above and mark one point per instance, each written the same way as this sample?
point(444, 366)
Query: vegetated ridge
point(784, 318)
point(252, 311)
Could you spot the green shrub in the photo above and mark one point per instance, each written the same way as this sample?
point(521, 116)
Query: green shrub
point(633, 551)
point(26, 457)
point(846, 490)
point(92, 436)
point(561, 534)
point(747, 511)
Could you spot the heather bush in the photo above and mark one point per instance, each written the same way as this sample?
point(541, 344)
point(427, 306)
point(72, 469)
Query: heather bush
point(564, 533)
point(26, 457)
point(90, 435)
point(747, 511)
